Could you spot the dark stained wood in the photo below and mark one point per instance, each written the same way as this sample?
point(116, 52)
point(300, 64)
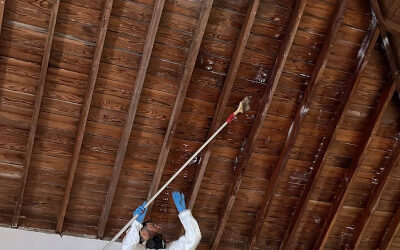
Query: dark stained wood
point(85, 111)
point(260, 117)
point(386, 44)
point(144, 63)
point(392, 27)
point(297, 122)
point(77, 32)
point(36, 110)
point(374, 123)
point(374, 198)
point(391, 231)
point(369, 43)
point(187, 74)
point(225, 94)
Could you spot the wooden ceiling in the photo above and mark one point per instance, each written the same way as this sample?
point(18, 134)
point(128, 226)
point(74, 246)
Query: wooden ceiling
point(102, 101)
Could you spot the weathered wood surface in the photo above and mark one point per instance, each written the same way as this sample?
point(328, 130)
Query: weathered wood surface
point(355, 168)
point(339, 159)
point(246, 149)
point(181, 95)
point(22, 44)
point(85, 111)
point(388, 47)
point(300, 114)
point(36, 110)
point(144, 63)
point(225, 94)
point(372, 203)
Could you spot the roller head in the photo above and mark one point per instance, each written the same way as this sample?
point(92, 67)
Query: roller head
point(244, 106)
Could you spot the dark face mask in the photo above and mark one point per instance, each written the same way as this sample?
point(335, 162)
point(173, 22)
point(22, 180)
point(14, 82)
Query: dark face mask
point(156, 242)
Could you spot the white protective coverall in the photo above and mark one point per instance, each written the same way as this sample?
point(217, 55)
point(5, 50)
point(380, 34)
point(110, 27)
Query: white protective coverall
point(189, 241)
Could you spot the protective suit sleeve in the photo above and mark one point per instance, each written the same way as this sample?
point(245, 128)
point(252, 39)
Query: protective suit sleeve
point(192, 236)
point(132, 238)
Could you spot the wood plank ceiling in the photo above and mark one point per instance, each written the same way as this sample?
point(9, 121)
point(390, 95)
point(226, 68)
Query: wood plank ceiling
point(102, 101)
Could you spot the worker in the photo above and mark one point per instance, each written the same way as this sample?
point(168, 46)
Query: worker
point(148, 235)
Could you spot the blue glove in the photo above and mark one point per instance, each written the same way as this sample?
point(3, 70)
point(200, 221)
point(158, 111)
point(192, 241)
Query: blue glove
point(179, 200)
point(141, 212)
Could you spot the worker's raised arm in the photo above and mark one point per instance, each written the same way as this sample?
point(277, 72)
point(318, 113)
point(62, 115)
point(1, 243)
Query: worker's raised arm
point(192, 235)
point(131, 240)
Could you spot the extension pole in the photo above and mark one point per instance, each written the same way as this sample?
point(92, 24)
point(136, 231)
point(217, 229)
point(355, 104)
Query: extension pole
point(243, 106)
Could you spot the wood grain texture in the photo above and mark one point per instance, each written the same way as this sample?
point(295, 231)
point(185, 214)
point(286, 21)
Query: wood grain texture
point(374, 198)
point(187, 74)
point(392, 27)
point(144, 63)
point(259, 119)
point(298, 120)
point(85, 110)
point(391, 232)
point(354, 168)
point(225, 94)
point(36, 110)
point(224, 97)
point(22, 46)
point(364, 53)
point(300, 5)
point(386, 44)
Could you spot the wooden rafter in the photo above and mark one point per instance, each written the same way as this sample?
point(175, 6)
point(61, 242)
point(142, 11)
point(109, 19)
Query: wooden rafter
point(297, 122)
point(2, 5)
point(374, 198)
point(36, 110)
point(144, 63)
point(394, 158)
point(223, 98)
point(392, 27)
point(352, 171)
point(391, 231)
point(261, 113)
point(225, 94)
point(364, 53)
point(187, 74)
point(386, 44)
point(85, 111)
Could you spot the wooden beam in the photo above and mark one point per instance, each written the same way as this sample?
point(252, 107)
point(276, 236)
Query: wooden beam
point(225, 94)
point(261, 113)
point(374, 198)
point(392, 27)
point(187, 74)
point(364, 54)
point(391, 231)
point(354, 168)
point(144, 63)
point(36, 111)
point(223, 98)
point(85, 111)
point(386, 44)
point(2, 6)
point(298, 121)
